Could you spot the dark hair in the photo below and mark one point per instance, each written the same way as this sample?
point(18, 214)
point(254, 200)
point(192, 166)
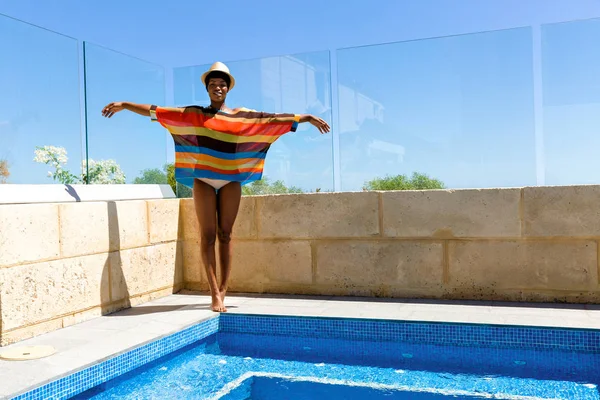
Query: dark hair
point(217, 74)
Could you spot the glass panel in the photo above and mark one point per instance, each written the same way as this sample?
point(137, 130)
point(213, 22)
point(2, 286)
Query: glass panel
point(39, 99)
point(571, 102)
point(132, 142)
point(293, 84)
point(459, 109)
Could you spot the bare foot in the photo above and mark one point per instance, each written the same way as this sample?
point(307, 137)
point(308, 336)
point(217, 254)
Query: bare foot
point(223, 292)
point(217, 304)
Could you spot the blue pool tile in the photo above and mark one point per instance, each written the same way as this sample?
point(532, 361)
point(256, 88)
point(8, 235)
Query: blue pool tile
point(468, 336)
point(587, 340)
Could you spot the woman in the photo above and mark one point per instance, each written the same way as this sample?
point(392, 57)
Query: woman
point(217, 150)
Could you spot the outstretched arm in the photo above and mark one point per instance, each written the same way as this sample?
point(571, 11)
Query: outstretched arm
point(319, 123)
point(112, 108)
point(166, 116)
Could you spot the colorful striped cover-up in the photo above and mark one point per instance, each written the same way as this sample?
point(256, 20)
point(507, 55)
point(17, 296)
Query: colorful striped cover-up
point(218, 145)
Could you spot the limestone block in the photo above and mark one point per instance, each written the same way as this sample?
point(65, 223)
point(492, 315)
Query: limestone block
point(493, 265)
point(245, 223)
point(131, 272)
point(98, 227)
point(145, 269)
point(196, 286)
point(562, 296)
point(346, 290)
point(165, 263)
point(147, 297)
point(319, 215)
point(86, 228)
point(416, 293)
point(193, 270)
point(449, 213)
point(163, 220)
point(178, 265)
point(288, 262)
point(36, 292)
point(188, 220)
point(129, 227)
point(350, 264)
point(255, 264)
point(244, 226)
point(28, 233)
point(82, 316)
point(111, 308)
point(561, 211)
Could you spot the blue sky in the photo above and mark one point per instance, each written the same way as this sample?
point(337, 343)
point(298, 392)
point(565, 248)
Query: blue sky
point(515, 106)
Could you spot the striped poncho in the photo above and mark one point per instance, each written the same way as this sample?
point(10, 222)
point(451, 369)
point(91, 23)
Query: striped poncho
point(216, 145)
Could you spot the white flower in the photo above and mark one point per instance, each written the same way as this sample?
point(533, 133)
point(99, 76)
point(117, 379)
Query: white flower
point(98, 172)
point(51, 154)
point(41, 156)
point(104, 172)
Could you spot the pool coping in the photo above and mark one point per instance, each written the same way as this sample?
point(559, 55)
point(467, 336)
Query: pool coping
point(301, 307)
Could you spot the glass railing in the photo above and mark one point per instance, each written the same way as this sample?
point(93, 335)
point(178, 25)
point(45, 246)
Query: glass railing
point(571, 102)
point(40, 120)
point(301, 84)
point(456, 111)
point(126, 148)
point(505, 108)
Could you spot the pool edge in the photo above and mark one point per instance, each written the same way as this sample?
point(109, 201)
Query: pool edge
point(203, 328)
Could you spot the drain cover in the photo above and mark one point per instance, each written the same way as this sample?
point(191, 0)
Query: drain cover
point(27, 353)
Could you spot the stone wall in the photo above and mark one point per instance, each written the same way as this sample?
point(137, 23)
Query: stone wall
point(64, 263)
point(530, 244)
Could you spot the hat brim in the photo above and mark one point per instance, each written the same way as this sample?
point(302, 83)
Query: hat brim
point(232, 79)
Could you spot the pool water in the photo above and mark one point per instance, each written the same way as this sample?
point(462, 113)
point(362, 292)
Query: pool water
point(236, 365)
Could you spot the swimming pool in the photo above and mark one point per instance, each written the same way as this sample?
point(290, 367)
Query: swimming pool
point(235, 357)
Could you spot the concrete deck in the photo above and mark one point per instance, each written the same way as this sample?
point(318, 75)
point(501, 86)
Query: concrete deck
point(84, 344)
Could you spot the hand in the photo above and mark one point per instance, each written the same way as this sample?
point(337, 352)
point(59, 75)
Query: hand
point(319, 123)
point(112, 108)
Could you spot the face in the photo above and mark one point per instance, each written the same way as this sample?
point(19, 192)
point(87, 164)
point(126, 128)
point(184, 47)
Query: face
point(217, 89)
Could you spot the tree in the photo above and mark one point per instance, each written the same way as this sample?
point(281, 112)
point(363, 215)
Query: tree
point(4, 172)
point(155, 176)
point(170, 169)
point(166, 176)
point(264, 187)
point(152, 176)
point(180, 190)
point(417, 181)
point(183, 192)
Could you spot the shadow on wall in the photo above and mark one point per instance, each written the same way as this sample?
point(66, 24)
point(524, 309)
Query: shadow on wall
point(114, 291)
point(159, 258)
point(179, 273)
point(1, 326)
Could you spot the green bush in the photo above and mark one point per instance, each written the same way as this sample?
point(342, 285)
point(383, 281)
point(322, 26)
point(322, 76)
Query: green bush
point(417, 181)
point(153, 176)
point(264, 187)
point(165, 176)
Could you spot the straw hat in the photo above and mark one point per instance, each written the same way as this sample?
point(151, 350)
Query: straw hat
point(219, 66)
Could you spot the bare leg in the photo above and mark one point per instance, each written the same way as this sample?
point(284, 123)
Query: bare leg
point(228, 204)
point(205, 201)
